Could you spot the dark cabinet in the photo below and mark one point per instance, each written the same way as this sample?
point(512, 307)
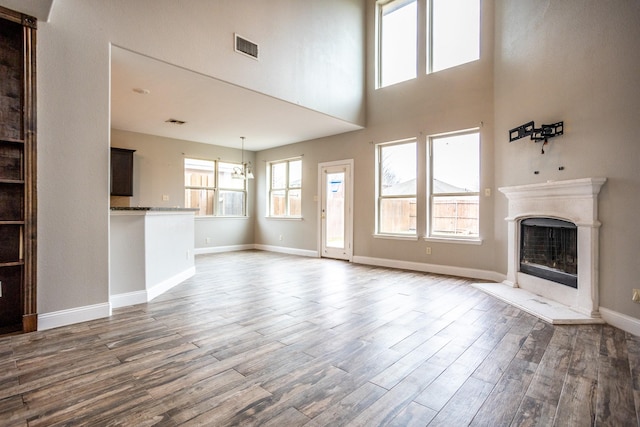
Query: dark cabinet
point(121, 172)
point(17, 172)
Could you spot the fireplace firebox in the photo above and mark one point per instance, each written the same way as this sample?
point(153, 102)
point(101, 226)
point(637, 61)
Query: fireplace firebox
point(549, 250)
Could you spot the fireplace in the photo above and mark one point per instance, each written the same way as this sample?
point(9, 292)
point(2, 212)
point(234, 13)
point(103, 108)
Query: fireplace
point(549, 250)
point(564, 212)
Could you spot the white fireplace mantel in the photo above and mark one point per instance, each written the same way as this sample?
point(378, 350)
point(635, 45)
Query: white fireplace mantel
point(575, 201)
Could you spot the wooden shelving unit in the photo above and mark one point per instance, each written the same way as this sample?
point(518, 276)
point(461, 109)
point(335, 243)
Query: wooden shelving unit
point(17, 173)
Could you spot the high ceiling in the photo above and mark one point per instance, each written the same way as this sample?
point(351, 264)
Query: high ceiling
point(215, 112)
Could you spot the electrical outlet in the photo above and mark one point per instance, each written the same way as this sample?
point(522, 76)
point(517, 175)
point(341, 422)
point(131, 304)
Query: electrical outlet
point(428, 250)
point(487, 192)
point(165, 197)
point(207, 240)
point(280, 237)
point(636, 296)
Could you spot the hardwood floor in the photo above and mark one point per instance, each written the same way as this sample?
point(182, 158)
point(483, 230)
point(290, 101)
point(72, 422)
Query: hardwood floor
point(258, 338)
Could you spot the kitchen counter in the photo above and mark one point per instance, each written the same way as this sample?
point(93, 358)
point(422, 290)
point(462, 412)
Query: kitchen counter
point(151, 251)
point(151, 209)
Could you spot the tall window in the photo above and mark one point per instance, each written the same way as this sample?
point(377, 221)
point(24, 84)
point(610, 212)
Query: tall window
point(455, 185)
point(208, 187)
point(285, 188)
point(454, 34)
point(397, 41)
point(451, 37)
point(396, 210)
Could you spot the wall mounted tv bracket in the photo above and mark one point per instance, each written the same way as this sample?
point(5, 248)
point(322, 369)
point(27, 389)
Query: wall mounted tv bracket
point(541, 134)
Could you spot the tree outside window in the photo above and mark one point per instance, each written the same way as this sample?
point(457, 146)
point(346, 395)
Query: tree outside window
point(455, 185)
point(396, 213)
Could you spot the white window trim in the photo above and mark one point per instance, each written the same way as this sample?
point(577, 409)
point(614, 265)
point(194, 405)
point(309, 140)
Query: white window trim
point(474, 240)
point(378, 191)
point(286, 189)
point(236, 190)
point(216, 189)
point(458, 240)
point(429, 39)
point(380, 8)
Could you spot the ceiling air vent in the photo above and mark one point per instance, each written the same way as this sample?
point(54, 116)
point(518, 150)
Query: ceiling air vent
point(175, 122)
point(246, 47)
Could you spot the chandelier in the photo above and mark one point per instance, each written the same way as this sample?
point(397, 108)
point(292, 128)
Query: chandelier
point(244, 171)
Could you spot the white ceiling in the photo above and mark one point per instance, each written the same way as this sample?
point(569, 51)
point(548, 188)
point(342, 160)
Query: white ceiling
point(215, 112)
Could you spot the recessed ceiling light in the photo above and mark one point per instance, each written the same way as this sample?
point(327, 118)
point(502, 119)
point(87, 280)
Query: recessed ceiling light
point(141, 91)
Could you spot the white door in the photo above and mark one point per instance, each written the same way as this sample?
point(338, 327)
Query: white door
point(336, 213)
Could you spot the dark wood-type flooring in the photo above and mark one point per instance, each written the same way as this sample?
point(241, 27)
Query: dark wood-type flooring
point(259, 338)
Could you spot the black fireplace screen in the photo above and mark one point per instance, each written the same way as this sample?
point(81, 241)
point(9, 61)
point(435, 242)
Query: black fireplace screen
point(549, 249)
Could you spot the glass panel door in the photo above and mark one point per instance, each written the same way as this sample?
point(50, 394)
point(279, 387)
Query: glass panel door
point(335, 210)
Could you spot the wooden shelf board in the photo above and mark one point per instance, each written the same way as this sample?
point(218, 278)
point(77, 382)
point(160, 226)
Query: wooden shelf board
point(11, 264)
point(13, 140)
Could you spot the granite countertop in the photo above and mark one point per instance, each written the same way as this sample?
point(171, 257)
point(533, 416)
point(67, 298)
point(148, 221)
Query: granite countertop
point(155, 209)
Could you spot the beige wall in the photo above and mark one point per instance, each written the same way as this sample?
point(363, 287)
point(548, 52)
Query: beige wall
point(577, 61)
point(455, 99)
point(574, 60)
point(306, 65)
point(158, 170)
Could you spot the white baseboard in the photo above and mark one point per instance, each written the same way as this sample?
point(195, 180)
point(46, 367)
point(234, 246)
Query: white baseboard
point(621, 321)
point(266, 248)
point(73, 315)
point(141, 297)
point(162, 287)
point(221, 249)
point(432, 268)
point(290, 251)
point(128, 298)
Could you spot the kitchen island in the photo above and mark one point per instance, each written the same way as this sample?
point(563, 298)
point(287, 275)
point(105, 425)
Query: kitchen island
point(151, 250)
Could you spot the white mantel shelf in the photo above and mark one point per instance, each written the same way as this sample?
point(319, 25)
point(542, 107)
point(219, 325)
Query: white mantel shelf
point(575, 201)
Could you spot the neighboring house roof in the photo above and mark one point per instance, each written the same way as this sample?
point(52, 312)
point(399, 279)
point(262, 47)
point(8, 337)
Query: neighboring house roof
point(409, 187)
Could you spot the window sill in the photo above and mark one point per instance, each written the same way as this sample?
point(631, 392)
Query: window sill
point(458, 240)
point(395, 237)
point(284, 218)
point(206, 217)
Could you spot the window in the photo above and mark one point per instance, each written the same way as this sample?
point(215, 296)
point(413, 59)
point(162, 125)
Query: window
point(199, 185)
point(396, 189)
point(454, 33)
point(455, 184)
point(285, 188)
point(210, 188)
point(451, 37)
point(232, 191)
point(397, 41)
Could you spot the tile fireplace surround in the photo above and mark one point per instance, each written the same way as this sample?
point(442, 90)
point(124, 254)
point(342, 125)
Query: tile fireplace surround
point(575, 201)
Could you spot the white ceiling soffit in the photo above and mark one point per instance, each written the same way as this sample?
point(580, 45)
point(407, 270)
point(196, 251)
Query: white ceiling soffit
point(215, 112)
point(39, 9)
